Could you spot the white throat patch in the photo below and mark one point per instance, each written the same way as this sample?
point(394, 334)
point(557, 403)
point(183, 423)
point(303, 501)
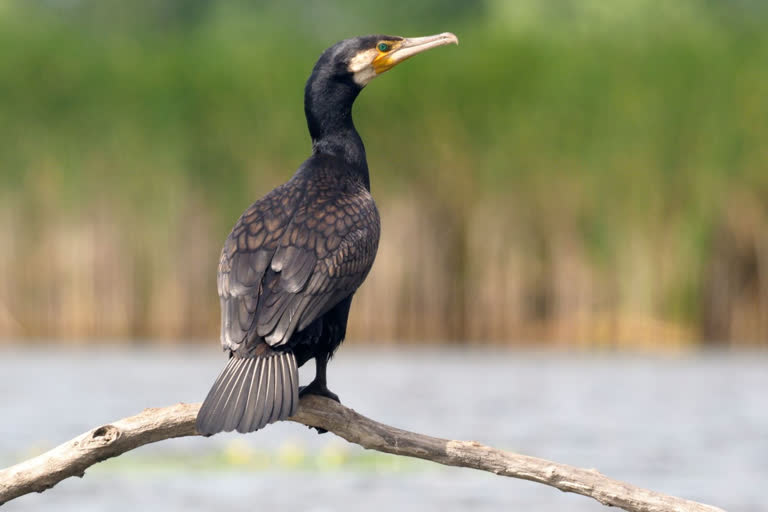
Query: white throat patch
point(361, 66)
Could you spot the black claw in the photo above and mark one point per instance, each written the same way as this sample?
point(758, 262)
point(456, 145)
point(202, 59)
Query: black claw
point(319, 430)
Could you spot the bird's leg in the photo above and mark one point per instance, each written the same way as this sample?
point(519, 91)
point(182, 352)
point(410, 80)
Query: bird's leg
point(319, 386)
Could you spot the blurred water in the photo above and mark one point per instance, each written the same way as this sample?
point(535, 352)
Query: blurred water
point(693, 426)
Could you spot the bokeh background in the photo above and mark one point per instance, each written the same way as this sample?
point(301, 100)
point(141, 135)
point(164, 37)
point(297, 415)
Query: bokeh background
point(576, 175)
point(574, 172)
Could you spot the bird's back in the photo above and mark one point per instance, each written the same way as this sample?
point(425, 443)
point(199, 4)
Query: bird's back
point(296, 253)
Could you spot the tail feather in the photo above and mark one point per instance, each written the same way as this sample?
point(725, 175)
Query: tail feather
point(238, 395)
point(224, 389)
point(287, 384)
point(277, 383)
point(226, 406)
point(250, 405)
point(250, 393)
point(261, 394)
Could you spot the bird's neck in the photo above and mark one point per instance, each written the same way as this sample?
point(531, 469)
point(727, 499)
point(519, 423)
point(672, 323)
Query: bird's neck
point(328, 107)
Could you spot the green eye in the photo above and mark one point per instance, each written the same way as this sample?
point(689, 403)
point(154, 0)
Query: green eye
point(383, 47)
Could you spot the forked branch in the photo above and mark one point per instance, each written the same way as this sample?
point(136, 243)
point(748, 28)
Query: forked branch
point(74, 457)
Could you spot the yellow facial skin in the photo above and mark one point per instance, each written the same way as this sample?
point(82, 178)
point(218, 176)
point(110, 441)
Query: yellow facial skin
point(383, 60)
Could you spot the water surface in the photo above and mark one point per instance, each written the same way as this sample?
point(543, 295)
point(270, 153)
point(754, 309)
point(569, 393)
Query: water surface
point(692, 426)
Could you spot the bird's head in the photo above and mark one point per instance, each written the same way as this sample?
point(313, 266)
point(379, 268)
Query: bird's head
point(364, 58)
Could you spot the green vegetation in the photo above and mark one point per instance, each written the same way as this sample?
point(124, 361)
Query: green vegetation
point(611, 155)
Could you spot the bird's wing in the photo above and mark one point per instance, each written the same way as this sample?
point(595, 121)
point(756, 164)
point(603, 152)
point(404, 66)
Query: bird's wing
point(292, 257)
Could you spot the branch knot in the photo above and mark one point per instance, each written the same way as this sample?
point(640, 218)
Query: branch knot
point(104, 435)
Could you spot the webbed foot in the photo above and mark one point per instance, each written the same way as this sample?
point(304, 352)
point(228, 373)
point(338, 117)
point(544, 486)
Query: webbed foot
point(318, 389)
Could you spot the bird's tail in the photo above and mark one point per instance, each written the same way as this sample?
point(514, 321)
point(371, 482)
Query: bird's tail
point(251, 392)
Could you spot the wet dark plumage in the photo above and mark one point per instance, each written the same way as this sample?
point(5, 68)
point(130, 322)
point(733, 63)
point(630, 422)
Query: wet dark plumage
point(293, 261)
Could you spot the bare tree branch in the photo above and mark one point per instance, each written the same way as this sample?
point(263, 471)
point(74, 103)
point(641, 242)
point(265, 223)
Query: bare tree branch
point(74, 457)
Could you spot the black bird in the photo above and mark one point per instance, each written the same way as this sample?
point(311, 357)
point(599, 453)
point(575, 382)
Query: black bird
point(292, 263)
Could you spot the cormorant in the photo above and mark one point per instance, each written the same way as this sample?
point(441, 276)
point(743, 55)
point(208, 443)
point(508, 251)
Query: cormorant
point(295, 258)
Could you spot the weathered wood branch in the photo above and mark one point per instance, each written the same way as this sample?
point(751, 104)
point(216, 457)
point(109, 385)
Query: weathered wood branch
point(74, 457)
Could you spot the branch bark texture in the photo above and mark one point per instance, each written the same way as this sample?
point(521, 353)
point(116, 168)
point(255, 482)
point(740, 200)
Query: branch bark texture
point(75, 456)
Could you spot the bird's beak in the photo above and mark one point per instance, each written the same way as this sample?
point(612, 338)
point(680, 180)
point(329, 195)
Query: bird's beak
point(409, 47)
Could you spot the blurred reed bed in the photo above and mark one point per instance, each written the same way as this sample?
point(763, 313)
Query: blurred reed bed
point(571, 174)
point(493, 279)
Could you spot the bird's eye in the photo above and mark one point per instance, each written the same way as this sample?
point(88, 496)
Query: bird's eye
point(383, 47)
